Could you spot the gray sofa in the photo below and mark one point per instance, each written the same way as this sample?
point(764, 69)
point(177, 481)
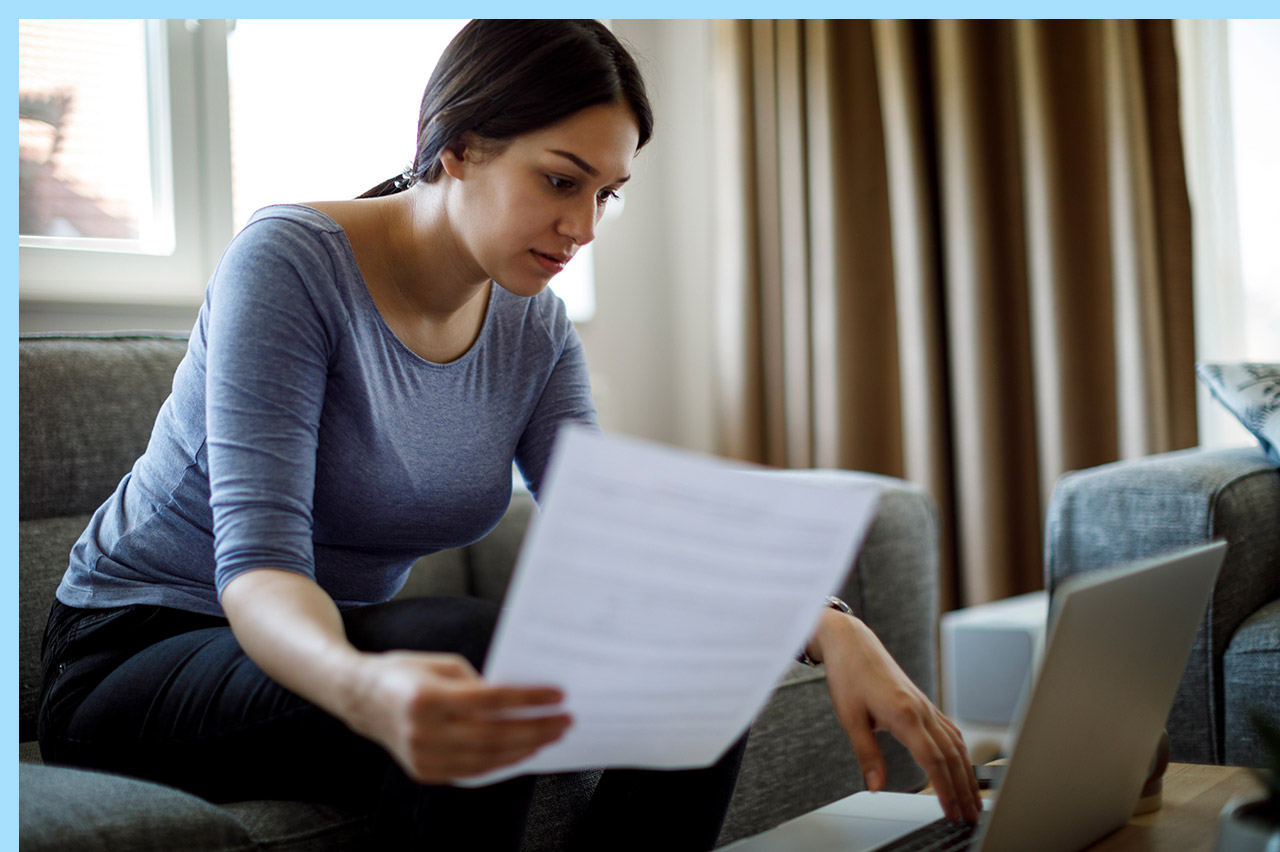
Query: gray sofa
point(87, 403)
point(1127, 510)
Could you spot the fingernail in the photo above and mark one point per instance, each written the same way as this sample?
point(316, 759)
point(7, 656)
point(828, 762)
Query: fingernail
point(874, 782)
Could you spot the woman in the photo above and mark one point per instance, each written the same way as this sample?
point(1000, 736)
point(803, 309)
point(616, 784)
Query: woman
point(359, 380)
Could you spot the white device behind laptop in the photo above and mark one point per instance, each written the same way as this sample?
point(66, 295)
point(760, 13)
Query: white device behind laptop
point(1118, 643)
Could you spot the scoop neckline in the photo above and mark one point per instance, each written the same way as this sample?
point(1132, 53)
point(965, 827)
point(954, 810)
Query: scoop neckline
point(371, 305)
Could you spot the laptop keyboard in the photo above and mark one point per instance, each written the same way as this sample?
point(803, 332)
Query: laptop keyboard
point(938, 836)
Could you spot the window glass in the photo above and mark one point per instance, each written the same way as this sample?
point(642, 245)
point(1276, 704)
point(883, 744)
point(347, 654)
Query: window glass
point(85, 145)
point(1255, 68)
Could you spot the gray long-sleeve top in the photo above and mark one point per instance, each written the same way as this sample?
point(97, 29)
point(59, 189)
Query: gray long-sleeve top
point(302, 435)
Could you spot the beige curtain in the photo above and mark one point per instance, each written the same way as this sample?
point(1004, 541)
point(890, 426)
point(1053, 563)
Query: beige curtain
point(956, 252)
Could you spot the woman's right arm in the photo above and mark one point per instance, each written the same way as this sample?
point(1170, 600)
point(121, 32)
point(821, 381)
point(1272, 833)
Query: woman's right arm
point(434, 714)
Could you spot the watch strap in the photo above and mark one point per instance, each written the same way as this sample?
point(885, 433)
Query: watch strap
point(835, 603)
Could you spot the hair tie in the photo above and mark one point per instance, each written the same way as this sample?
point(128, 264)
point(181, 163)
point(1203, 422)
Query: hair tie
point(405, 179)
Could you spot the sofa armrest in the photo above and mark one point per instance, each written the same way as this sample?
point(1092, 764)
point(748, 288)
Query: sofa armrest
point(893, 584)
point(1129, 510)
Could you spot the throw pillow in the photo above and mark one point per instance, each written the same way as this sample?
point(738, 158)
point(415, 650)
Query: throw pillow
point(1252, 393)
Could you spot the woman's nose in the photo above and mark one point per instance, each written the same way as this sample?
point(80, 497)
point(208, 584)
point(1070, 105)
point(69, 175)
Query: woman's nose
point(579, 222)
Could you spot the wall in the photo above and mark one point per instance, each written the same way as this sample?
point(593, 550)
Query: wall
point(649, 354)
point(648, 346)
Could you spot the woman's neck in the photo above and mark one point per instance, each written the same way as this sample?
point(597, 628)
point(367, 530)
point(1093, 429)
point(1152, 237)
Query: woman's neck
point(423, 281)
point(418, 253)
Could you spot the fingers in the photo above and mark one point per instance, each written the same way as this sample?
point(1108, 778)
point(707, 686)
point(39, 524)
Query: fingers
point(476, 746)
point(490, 736)
point(936, 745)
point(960, 766)
point(463, 730)
point(471, 745)
point(871, 692)
point(939, 749)
point(482, 698)
point(867, 750)
point(469, 693)
point(441, 720)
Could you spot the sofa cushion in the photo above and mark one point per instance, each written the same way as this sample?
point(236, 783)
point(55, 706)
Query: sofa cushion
point(86, 406)
point(302, 827)
point(1252, 393)
point(44, 548)
point(1251, 672)
point(61, 809)
point(71, 810)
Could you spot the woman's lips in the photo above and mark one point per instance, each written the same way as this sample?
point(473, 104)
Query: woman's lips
point(552, 263)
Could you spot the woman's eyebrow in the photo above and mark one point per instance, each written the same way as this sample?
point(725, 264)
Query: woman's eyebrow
point(583, 164)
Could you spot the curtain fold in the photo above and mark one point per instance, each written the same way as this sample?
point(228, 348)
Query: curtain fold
point(956, 252)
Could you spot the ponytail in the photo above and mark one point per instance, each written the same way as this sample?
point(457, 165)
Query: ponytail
point(499, 79)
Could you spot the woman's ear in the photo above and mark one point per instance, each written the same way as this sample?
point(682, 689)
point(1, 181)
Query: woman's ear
point(457, 155)
point(453, 159)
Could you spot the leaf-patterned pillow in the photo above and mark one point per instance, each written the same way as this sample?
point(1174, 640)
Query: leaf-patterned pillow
point(1252, 393)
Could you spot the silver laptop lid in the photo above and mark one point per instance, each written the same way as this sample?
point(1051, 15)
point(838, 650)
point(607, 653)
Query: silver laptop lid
point(1118, 643)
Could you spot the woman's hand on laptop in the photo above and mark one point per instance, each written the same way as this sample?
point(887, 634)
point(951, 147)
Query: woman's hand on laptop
point(871, 693)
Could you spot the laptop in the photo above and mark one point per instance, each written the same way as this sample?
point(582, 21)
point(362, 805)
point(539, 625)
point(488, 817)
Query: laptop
point(1118, 641)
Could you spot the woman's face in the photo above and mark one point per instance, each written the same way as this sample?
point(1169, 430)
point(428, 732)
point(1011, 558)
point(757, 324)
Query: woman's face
point(521, 214)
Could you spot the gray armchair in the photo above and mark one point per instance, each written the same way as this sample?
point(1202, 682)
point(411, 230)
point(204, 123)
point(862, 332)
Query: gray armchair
point(1127, 510)
point(87, 403)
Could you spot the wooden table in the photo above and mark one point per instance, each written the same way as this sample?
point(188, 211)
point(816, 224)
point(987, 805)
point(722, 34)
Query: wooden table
point(1188, 820)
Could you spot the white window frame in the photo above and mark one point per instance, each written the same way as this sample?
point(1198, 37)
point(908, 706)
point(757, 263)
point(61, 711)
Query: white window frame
point(188, 63)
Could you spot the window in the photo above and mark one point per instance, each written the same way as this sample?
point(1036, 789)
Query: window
point(1231, 131)
point(120, 198)
point(85, 141)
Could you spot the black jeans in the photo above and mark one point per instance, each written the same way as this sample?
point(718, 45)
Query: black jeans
point(168, 695)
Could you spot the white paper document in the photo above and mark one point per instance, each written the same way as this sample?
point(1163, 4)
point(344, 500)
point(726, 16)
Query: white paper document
point(666, 593)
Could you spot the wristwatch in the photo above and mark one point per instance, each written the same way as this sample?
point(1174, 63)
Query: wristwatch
point(835, 603)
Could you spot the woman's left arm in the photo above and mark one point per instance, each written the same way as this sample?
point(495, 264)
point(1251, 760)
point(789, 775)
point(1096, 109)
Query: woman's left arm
point(872, 693)
point(564, 397)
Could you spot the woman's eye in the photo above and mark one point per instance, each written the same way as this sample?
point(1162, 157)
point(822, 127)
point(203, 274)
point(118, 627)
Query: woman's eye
point(559, 183)
point(607, 195)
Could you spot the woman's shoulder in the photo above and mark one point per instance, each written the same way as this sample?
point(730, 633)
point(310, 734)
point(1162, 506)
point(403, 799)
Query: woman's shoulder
point(288, 254)
point(284, 220)
point(294, 234)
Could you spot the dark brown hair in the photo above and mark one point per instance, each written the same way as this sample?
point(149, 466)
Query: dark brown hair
point(500, 79)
